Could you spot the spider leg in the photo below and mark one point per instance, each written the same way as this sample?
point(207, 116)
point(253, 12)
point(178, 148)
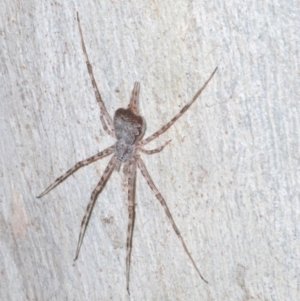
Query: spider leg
point(104, 116)
point(158, 195)
point(134, 100)
point(153, 151)
point(107, 172)
point(182, 111)
point(131, 181)
point(87, 161)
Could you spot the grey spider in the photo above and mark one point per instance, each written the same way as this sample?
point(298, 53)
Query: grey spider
point(128, 127)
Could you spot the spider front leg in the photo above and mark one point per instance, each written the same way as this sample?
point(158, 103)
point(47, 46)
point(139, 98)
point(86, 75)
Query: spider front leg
point(94, 158)
point(130, 173)
point(107, 172)
point(104, 116)
point(158, 195)
point(153, 151)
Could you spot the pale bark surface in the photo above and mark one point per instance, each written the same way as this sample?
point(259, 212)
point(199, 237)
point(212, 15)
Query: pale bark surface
point(230, 175)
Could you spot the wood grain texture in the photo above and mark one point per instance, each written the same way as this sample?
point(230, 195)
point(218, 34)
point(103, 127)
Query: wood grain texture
point(230, 175)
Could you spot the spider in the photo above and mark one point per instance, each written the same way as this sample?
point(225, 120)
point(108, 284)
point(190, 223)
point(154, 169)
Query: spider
point(128, 127)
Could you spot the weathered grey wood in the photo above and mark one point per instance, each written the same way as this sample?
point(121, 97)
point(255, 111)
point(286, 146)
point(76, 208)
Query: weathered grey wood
point(230, 175)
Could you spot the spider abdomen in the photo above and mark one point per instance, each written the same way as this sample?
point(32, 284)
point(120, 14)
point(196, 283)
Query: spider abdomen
point(129, 127)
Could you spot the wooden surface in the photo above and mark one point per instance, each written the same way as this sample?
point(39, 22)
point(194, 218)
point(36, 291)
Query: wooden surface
point(230, 175)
